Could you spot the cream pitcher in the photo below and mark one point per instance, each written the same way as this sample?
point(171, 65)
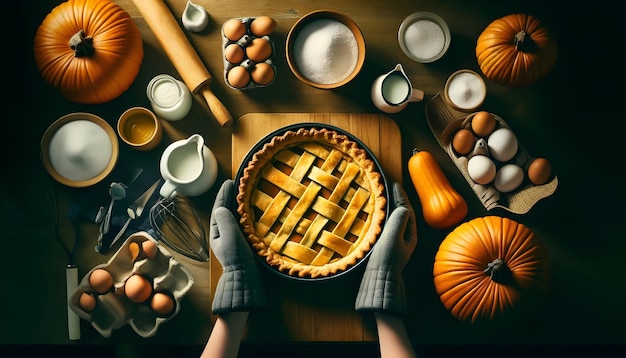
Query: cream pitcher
point(392, 92)
point(188, 167)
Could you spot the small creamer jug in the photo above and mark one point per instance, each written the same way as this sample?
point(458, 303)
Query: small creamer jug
point(392, 91)
point(188, 168)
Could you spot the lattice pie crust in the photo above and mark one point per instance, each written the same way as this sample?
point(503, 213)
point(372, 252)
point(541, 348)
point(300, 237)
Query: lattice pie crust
point(311, 202)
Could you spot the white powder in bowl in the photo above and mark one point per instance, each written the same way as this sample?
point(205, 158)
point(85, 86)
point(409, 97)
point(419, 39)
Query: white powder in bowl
point(325, 51)
point(466, 90)
point(424, 39)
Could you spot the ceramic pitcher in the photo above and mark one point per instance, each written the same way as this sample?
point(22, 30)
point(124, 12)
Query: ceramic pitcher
point(188, 168)
point(392, 91)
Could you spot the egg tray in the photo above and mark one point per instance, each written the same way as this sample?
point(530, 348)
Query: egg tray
point(444, 121)
point(114, 309)
point(246, 62)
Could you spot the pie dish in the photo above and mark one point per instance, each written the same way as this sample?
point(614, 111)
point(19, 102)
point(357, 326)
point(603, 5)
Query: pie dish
point(312, 201)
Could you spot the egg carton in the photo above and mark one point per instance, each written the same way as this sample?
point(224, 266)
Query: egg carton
point(113, 309)
point(246, 62)
point(444, 122)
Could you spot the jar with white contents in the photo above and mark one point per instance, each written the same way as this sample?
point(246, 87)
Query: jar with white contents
point(170, 98)
point(465, 90)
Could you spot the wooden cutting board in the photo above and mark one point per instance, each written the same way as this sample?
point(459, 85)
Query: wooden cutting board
point(305, 311)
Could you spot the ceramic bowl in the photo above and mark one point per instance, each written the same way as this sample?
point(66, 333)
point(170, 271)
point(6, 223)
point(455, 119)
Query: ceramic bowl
point(424, 36)
point(306, 33)
point(79, 149)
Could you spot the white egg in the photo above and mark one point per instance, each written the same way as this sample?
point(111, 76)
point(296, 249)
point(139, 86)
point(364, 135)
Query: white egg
point(508, 178)
point(481, 169)
point(502, 144)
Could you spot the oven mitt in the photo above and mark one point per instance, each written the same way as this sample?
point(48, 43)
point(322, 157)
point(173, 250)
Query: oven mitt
point(239, 287)
point(382, 286)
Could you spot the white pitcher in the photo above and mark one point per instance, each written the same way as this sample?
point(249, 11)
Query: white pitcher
point(188, 167)
point(392, 91)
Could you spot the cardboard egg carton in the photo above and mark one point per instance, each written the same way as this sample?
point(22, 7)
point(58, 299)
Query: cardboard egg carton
point(113, 309)
point(444, 121)
point(246, 62)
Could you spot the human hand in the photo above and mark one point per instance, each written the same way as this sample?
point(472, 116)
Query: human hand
point(239, 287)
point(382, 286)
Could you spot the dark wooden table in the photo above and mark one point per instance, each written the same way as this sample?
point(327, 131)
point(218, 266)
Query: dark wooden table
point(571, 117)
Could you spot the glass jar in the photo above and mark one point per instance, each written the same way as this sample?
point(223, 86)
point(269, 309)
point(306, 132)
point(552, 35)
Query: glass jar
point(170, 98)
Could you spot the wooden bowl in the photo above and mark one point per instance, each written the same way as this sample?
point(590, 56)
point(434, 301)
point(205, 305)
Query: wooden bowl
point(292, 55)
point(79, 149)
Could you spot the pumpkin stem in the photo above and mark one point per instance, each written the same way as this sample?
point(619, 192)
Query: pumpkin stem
point(523, 41)
point(498, 271)
point(81, 44)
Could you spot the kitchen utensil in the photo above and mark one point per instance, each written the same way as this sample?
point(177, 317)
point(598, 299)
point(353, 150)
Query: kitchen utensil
point(71, 270)
point(182, 54)
point(135, 209)
point(117, 191)
point(392, 91)
point(188, 167)
point(177, 224)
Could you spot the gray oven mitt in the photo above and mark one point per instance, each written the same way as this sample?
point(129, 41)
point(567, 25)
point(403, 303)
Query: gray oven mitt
point(382, 286)
point(239, 287)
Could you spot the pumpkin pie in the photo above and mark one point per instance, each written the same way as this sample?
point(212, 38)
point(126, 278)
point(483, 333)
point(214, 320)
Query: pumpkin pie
point(312, 202)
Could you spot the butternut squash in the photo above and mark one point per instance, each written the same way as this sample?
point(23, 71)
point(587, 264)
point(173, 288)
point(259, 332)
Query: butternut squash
point(442, 205)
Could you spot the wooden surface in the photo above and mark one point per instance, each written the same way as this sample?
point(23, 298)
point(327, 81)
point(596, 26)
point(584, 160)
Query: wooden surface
point(304, 306)
point(573, 117)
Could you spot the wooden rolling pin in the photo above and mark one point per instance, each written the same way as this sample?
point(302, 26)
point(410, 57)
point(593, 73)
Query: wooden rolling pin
point(182, 54)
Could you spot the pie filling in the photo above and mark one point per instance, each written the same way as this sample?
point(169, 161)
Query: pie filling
point(312, 203)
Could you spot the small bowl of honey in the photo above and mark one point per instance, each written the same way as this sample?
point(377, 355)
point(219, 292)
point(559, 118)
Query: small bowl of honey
point(140, 128)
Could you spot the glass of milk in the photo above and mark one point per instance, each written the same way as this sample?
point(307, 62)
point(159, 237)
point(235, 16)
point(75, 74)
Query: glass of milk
point(170, 98)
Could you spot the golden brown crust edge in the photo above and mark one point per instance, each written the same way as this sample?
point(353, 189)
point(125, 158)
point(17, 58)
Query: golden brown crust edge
point(341, 142)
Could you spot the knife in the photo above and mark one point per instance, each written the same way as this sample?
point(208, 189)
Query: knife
point(135, 209)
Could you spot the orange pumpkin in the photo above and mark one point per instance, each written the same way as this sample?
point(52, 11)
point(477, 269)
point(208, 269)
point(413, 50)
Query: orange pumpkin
point(442, 205)
point(490, 268)
point(516, 50)
point(89, 50)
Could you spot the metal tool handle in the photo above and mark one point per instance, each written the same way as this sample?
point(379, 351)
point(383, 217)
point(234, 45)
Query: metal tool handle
point(73, 321)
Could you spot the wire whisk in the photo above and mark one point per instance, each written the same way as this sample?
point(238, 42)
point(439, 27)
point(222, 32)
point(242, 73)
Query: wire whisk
point(177, 224)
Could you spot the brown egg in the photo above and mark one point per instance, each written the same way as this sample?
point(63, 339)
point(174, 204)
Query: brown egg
point(87, 301)
point(539, 171)
point(262, 74)
point(234, 53)
point(262, 26)
point(162, 303)
point(234, 29)
point(149, 248)
point(259, 50)
point(137, 288)
point(463, 141)
point(238, 77)
point(101, 280)
point(483, 123)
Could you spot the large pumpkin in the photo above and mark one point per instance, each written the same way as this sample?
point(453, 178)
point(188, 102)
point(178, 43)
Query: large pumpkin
point(516, 50)
point(89, 50)
point(488, 268)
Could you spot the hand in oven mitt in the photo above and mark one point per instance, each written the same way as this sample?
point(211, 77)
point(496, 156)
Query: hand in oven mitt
point(382, 286)
point(239, 287)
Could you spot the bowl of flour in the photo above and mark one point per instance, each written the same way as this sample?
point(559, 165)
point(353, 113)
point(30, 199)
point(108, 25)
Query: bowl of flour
point(325, 49)
point(424, 36)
